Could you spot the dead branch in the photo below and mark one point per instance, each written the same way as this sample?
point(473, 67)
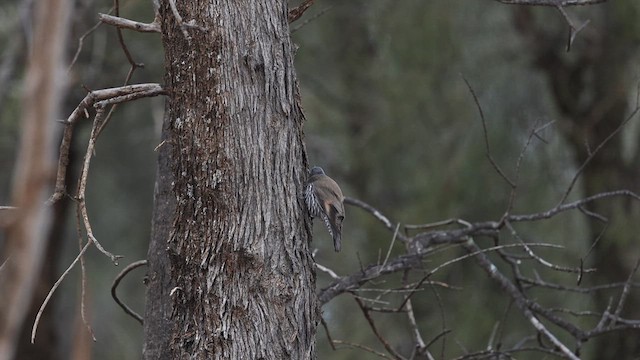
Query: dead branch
point(81, 43)
point(116, 282)
point(595, 151)
point(519, 299)
point(533, 311)
point(123, 23)
point(377, 333)
point(312, 18)
point(574, 28)
point(53, 289)
point(400, 263)
point(123, 93)
point(361, 347)
point(183, 25)
point(486, 136)
point(553, 3)
point(83, 277)
point(295, 13)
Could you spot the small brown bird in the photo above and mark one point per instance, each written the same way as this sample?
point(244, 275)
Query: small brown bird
point(325, 200)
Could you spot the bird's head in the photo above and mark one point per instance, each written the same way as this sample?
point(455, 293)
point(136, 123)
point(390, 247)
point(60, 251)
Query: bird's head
point(316, 170)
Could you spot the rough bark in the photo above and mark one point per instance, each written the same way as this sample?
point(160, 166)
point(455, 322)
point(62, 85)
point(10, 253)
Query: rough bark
point(158, 307)
point(232, 278)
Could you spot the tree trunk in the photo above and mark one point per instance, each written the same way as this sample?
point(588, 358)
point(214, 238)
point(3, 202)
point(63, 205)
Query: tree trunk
point(231, 275)
point(27, 230)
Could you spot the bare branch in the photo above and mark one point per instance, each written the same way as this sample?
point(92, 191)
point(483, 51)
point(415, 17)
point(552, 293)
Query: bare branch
point(295, 13)
point(486, 136)
point(326, 330)
point(53, 289)
point(82, 185)
point(312, 18)
point(83, 277)
point(81, 43)
point(362, 347)
point(183, 25)
point(541, 260)
point(373, 211)
point(625, 290)
point(400, 263)
point(116, 282)
point(553, 3)
point(328, 271)
point(521, 302)
point(593, 154)
point(573, 205)
point(135, 91)
point(393, 241)
point(378, 335)
point(123, 23)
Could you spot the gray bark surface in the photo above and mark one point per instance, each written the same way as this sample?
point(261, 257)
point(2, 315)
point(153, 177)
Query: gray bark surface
point(234, 267)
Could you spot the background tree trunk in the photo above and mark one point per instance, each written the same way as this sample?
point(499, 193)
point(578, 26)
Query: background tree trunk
point(28, 227)
point(233, 276)
point(590, 88)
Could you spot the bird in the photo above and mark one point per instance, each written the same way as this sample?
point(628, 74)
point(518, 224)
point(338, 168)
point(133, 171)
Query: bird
point(324, 199)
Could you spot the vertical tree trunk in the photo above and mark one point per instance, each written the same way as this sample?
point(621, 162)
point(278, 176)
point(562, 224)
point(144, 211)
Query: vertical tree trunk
point(233, 275)
point(27, 232)
point(590, 89)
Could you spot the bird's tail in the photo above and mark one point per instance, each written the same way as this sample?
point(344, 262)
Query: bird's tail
point(336, 232)
point(337, 241)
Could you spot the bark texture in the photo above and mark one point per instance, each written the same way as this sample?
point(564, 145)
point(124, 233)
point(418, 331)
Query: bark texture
point(241, 277)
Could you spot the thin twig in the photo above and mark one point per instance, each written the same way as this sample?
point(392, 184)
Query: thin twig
point(378, 335)
point(328, 271)
point(312, 18)
point(625, 290)
point(573, 205)
point(521, 302)
point(181, 24)
point(82, 185)
point(375, 212)
point(83, 278)
point(553, 3)
point(81, 43)
point(593, 154)
point(53, 289)
point(486, 136)
point(326, 330)
point(578, 290)
point(401, 263)
point(539, 259)
point(362, 347)
point(295, 13)
point(436, 224)
point(393, 241)
point(514, 188)
point(116, 282)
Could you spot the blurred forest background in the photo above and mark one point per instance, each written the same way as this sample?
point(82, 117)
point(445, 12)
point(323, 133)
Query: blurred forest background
point(390, 118)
